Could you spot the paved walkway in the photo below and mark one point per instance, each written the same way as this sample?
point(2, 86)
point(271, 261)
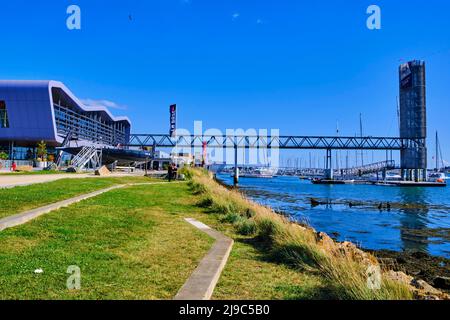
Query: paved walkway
point(11, 181)
point(201, 283)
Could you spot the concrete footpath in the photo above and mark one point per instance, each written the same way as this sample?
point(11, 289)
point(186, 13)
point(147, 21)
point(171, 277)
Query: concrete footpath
point(201, 283)
point(13, 180)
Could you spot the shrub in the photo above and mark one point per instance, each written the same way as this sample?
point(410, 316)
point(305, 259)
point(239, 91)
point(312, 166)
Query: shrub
point(268, 229)
point(206, 202)
point(247, 227)
point(222, 207)
point(3, 156)
point(197, 188)
point(188, 173)
point(232, 217)
point(42, 151)
point(250, 213)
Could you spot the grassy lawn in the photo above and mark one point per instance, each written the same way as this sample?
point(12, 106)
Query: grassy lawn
point(250, 273)
point(133, 243)
point(19, 199)
point(129, 244)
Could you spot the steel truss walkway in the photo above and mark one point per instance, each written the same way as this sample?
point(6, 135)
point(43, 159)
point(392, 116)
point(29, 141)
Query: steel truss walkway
point(281, 142)
point(370, 168)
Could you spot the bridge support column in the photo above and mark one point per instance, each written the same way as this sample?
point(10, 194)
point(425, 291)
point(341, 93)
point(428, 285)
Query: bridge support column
point(416, 175)
point(329, 174)
point(236, 169)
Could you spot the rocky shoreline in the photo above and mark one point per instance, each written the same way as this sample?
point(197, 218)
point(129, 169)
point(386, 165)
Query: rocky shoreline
point(434, 270)
point(416, 270)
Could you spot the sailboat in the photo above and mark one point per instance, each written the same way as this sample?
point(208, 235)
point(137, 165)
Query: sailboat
point(439, 174)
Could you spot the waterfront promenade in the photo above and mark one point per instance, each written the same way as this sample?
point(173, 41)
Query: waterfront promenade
point(143, 238)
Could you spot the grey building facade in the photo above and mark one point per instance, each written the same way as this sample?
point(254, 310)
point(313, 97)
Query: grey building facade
point(34, 111)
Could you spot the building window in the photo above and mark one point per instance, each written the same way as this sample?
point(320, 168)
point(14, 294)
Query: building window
point(4, 123)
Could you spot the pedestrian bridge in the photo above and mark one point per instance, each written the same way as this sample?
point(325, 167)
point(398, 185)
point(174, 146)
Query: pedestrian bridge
point(280, 142)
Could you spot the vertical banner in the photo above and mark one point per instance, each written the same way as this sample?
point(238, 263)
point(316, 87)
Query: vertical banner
point(205, 153)
point(173, 120)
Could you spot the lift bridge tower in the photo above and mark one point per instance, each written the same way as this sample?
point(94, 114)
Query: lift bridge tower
point(413, 120)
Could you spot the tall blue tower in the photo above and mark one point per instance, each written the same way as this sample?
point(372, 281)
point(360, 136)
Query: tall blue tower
point(413, 119)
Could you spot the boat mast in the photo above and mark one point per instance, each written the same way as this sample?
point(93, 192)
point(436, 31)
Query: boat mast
point(437, 152)
point(361, 135)
point(338, 157)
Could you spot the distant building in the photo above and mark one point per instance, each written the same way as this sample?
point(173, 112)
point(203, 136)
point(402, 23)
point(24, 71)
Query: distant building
point(160, 161)
point(182, 159)
point(413, 119)
point(31, 111)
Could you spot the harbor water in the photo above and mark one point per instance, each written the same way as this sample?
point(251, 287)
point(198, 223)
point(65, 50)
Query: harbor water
point(374, 217)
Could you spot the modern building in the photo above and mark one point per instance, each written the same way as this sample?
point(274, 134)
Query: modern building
point(34, 111)
point(413, 119)
point(160, 161)
point(182, 159)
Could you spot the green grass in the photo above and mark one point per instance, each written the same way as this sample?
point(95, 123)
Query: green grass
point(328, 269)
point(130, 243)
point(133, 243)
point(252, 274)
point(19, 199)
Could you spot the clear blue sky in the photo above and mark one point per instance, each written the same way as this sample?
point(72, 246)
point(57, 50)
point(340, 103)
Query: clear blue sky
point(299, 66)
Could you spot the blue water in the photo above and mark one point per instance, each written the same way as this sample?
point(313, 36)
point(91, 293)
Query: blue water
point(423, 226)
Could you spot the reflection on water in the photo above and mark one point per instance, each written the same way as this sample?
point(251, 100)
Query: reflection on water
point(415, 219)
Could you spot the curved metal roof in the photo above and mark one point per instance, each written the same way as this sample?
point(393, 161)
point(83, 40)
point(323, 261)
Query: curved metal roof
point(49, 84)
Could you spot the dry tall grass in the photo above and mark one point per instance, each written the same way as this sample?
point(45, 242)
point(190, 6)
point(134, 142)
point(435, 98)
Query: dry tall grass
point(346, 271)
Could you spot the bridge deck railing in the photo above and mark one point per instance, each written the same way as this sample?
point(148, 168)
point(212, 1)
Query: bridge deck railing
point(280, 142)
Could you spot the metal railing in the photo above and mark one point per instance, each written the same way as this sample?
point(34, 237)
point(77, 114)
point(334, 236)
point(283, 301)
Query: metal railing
point(86, 155)
point(370, 168)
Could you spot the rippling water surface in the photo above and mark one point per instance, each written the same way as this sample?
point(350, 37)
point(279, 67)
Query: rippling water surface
point(419, 218)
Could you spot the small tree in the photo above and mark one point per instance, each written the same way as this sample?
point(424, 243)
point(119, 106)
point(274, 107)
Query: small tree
point(3, 156)
point(42, 151)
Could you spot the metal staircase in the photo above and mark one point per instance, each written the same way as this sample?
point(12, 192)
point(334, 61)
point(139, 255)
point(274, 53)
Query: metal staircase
point(88, 155)
point(65, 144)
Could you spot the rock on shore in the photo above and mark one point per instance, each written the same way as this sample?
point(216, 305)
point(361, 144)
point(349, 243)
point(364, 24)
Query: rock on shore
point(420, 288)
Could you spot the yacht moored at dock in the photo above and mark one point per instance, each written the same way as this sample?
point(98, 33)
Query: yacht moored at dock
point(265, 173)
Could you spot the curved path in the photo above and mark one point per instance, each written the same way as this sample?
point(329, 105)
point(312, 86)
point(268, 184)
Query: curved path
point(201, 283)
